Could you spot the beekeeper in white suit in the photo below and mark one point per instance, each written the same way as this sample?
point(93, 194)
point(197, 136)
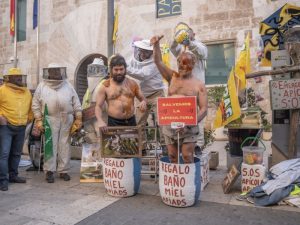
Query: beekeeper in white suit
point(65, 117)
point(142, 67)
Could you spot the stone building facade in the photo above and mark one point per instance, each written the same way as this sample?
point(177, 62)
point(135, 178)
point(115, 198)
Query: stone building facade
point(72, 32)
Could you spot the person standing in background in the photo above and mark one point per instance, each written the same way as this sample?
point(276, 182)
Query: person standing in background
point(65, 117)
point(15, 114)
point(142, 67)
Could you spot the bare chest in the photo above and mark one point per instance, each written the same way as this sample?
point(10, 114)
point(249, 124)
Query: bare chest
point(120, 92)
point(182, 87)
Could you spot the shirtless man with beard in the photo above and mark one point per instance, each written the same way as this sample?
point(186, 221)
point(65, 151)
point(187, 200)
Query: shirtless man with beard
point(181, 83)
point(119, 93)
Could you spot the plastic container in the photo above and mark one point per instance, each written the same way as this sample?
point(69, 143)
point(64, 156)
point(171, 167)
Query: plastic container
point(253, 154)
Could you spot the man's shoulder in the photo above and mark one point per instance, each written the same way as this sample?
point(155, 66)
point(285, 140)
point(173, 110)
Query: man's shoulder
point(104, 84)
point(130, 80)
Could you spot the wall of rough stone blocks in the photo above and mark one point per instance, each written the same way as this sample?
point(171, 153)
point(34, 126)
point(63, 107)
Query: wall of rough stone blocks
point(72, 29)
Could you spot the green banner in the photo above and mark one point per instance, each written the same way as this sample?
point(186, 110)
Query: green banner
point(48, 145)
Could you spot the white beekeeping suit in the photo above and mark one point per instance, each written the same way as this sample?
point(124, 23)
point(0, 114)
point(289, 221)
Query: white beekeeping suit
point(63, 106)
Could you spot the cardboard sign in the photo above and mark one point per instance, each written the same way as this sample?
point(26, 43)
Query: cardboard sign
point(91, 164)
point(181, 109)
point(121, 141)
point(285, 94)
point(252, 176)
point(230, 179)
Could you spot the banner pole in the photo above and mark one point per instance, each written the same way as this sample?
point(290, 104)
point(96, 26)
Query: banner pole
point(16, 35)
point(37, 45)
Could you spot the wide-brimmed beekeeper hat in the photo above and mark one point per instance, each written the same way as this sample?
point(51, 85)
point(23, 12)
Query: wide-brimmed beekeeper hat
point(143, 44)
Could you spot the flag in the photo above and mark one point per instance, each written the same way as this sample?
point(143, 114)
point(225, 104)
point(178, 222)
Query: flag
point(48, 144)
point(35, 14)
point(242, 67)
point(165, 54)
point(116, 23)
point(12, 17)
point(229, 108)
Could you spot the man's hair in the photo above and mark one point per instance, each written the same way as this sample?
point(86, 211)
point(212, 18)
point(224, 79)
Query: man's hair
point(117, 60)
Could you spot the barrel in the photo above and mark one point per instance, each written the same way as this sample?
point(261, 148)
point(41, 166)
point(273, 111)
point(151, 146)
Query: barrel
point(179, 184)
point(121, 176)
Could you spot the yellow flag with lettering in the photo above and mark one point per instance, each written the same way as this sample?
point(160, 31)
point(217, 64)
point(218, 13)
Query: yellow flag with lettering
point(116, 24)
point(165, 54)
point(242, 66)
point(229, 108)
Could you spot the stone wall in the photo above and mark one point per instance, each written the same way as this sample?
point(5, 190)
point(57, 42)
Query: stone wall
point(72, 29)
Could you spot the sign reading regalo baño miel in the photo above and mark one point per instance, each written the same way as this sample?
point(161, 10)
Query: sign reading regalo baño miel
point(177, 109)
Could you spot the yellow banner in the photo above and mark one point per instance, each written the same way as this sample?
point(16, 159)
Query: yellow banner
point(116, 24)
point(229, 108)
point(243, 66)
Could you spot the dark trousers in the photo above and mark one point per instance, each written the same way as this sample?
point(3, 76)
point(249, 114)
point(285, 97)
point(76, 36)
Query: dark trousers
point(11, 145)
point(121, 122)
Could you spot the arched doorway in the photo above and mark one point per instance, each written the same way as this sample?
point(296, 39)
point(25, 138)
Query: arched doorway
point(81, 73)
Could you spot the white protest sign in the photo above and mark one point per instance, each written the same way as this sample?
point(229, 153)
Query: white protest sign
point(252, 176)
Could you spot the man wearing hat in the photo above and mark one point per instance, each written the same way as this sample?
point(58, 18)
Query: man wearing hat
point(15, 113)
point(142, 67)
point(184, 39)
point(64, 114)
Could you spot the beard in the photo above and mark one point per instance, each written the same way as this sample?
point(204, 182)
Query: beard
point(119, 78)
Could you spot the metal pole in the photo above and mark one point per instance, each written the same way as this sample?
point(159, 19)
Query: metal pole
point(16, 35)
point(37, 45)
point(110, 26)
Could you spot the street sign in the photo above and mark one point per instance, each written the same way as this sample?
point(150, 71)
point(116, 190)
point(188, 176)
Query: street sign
point(178, 109)
point(285, 94)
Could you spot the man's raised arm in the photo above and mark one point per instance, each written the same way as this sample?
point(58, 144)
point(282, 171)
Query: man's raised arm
point(163, 69)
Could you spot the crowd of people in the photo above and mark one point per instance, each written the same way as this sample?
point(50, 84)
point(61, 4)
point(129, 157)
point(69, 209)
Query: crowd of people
point(113, 94)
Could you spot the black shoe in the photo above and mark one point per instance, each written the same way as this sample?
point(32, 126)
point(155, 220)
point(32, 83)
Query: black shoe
point(65, 176)
point(3, 187)
point(50, 177)
point(17, 179)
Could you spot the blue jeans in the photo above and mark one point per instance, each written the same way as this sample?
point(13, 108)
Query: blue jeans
point(11, 145)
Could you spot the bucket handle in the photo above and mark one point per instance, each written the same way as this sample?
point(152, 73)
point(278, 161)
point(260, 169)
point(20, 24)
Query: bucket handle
point(254, 139)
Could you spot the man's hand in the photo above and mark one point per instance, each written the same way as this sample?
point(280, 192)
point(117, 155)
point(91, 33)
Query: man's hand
point(39, 125)
point(143, 106)
point(3, 120)
point(155, 39)
point(103, 127)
